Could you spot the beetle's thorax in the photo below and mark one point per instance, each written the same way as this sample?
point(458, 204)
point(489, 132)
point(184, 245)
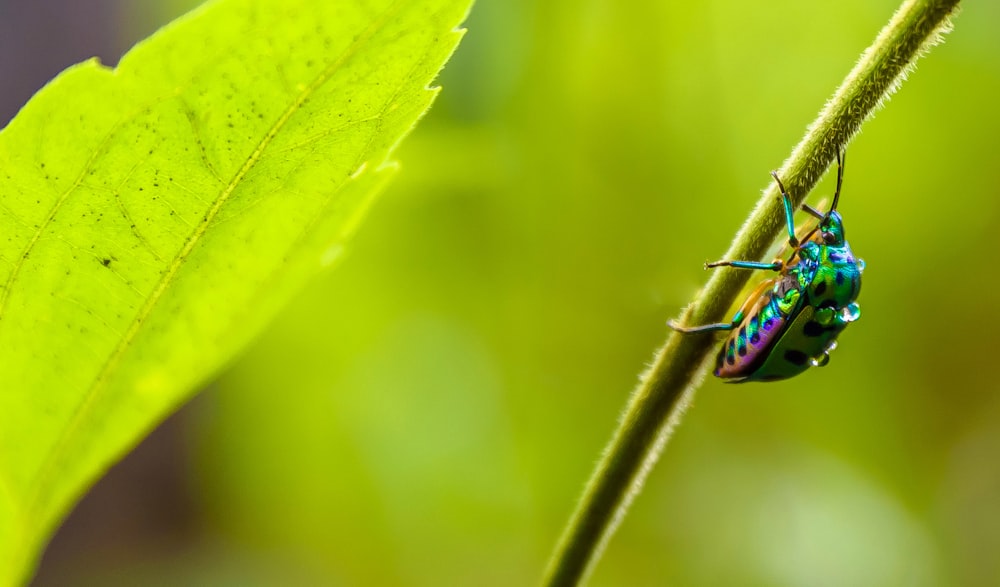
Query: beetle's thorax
point(831, 230)
point(831, 275)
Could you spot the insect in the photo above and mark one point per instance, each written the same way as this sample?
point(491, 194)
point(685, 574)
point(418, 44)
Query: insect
point(791, 321)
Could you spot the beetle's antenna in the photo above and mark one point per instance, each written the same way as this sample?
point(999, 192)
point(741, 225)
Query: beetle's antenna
point(841, 158)
point(813, 211)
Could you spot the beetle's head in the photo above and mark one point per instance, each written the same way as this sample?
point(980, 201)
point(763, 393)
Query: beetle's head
point(831, 229)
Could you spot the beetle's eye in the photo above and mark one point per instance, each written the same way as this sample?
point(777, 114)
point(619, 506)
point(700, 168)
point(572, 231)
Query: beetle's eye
point(829, 238)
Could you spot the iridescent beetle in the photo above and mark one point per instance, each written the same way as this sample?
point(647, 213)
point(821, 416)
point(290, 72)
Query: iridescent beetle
point(792, 321)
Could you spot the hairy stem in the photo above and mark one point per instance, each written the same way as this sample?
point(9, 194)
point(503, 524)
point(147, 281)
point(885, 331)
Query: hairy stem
point(666, 388)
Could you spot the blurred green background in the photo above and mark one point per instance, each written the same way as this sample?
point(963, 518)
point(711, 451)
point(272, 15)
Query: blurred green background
point(427, 413)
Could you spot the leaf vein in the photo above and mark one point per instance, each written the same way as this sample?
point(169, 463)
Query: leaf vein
point(99, 150)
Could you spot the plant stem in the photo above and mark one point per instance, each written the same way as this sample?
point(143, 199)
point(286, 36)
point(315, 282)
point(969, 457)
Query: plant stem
point(666, 389)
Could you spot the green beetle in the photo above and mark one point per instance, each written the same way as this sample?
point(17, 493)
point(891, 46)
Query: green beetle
point(791, 322)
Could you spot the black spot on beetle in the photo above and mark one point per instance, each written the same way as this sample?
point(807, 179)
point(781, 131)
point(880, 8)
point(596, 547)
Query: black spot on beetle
point(813, 328)
point(796, 357)
point(755, 338)
point(839, 277)
point(820, 288)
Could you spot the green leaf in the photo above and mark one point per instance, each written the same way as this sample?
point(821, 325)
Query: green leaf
point(154, 217)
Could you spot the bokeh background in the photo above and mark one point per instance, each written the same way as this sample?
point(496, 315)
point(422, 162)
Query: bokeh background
point(427, 413)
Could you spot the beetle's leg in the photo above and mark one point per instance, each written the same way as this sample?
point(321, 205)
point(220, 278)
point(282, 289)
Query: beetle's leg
point(789, 211)
point(776, 265)
point(752, 299)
